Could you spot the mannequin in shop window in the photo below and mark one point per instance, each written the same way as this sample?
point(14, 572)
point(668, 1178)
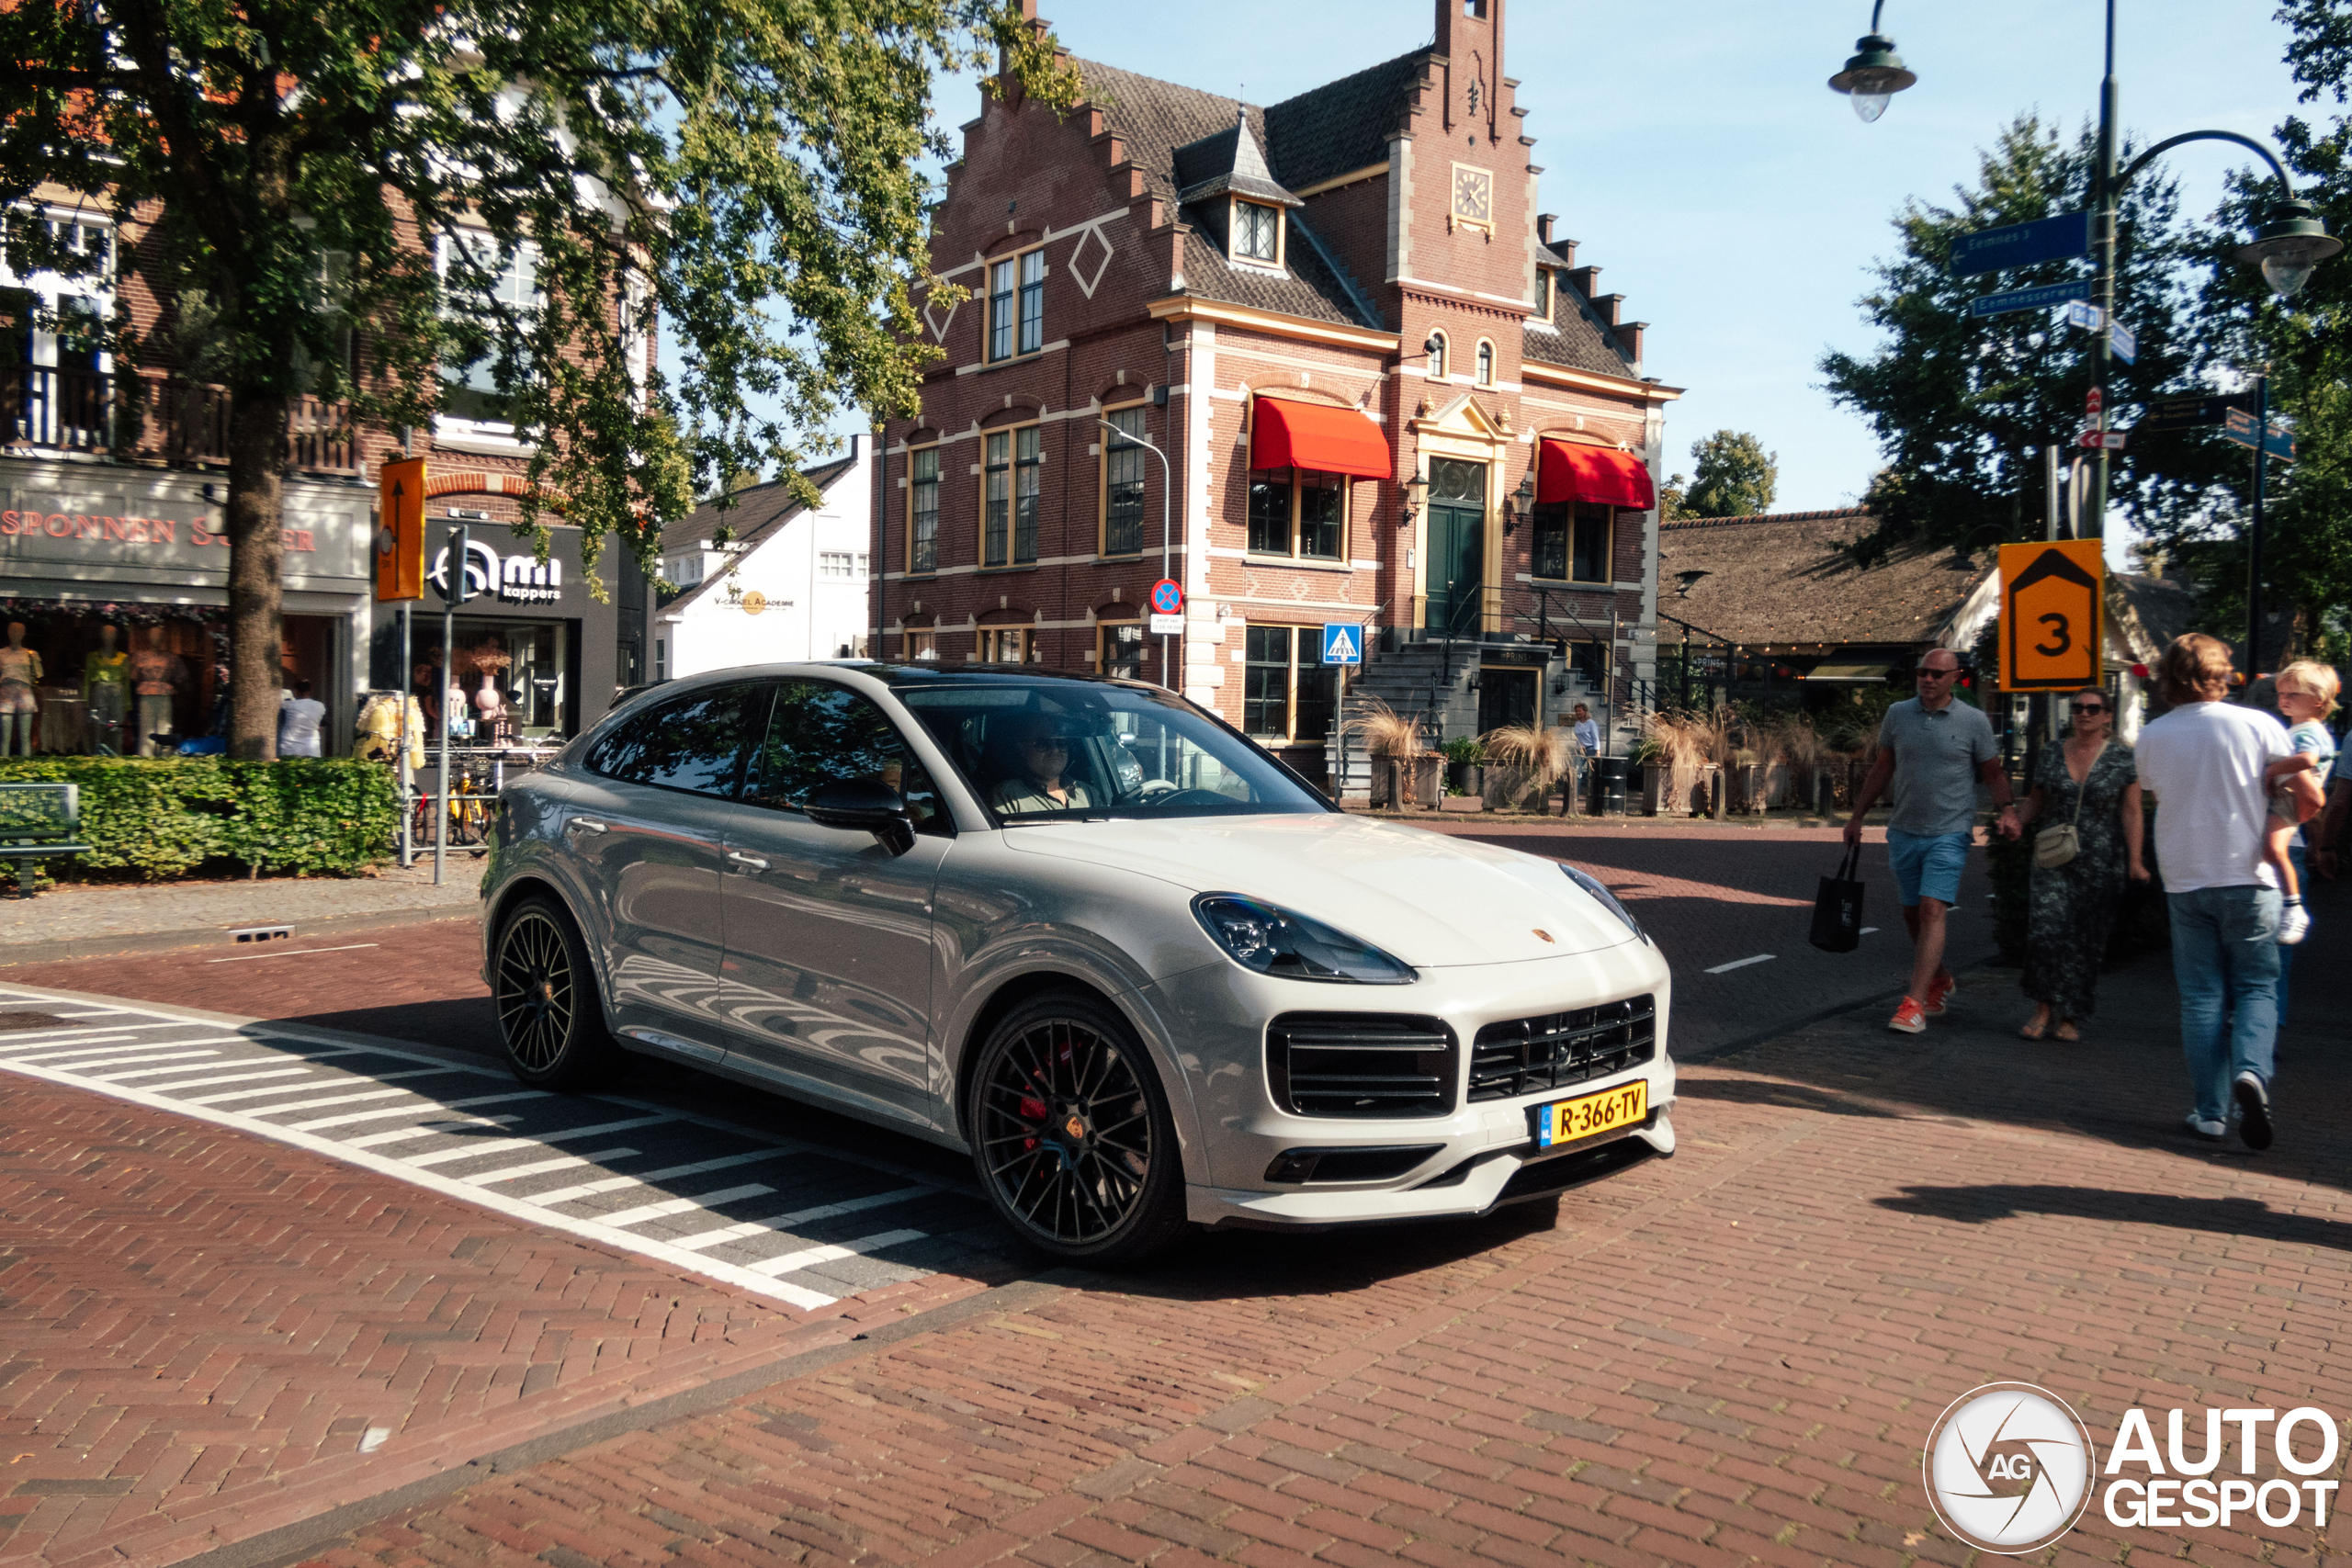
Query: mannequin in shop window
point(424, 690)
point(20, 672)
point(105, 682)
point(155, 679)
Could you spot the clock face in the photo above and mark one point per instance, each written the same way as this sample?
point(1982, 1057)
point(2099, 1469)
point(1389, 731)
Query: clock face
point(1474, 195)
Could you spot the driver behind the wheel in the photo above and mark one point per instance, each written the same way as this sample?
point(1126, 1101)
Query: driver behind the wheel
point(1039, 753)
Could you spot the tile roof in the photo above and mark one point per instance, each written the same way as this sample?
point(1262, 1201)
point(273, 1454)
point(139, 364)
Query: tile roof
point(1229, 161)
point(1580, 342)
point(1781, 577)
point(1173, 132)
point(758, 512)
point(1341, 126)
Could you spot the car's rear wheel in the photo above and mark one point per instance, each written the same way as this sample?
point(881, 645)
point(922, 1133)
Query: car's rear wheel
point(546, 996)
point(1071, 1134)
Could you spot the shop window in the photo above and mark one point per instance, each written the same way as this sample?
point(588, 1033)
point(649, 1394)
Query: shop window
point(515, 678)
point(1123, 471)
point(1287, 691)
point(1120, 649)
point(1017, 305)
point(1486, 363)
point(1015, 459)
point(923, 511)
point(1588, 555)
point(1293, 512)
point(1257, 232)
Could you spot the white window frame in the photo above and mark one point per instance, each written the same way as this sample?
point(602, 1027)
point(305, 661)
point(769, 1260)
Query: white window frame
point(495, 433)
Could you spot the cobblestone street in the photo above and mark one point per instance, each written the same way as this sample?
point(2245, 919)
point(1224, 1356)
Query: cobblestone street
point(226, 1349)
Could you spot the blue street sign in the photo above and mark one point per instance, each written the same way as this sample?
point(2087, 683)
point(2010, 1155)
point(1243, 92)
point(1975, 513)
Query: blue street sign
point(2048, 294)
point(2279, 441)
point(2021, 244)
point(2083, 313)
point(2124, 341)
point(1343, 643)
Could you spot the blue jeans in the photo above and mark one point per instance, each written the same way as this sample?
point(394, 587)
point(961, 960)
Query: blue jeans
point(2225, 964)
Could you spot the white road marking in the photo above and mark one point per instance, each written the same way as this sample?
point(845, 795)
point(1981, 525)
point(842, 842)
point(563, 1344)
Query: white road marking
point(345, 1121)
point(401, 1135)
point(155, 1072)
point(809, 1256)
point(244, 1078)
point(297, 953)
point(349, 1099)
point(644, 1211)
point(111, 1048)
point(501, 1145)
point(1867, 930)
point(614, 1183)
point(20, 1039)
point(1742, 963)
point(540, 1166)
point(799, 1216)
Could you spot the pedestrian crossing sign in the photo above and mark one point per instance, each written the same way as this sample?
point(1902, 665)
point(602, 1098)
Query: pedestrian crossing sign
point(1343, 643)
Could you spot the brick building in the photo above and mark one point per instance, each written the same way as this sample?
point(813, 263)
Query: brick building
point(1386, 395)
point(112, 484)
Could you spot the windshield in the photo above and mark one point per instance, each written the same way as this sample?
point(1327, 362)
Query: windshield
point(1056, 751)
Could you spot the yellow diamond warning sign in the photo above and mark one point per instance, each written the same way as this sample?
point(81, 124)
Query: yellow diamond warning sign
point(2052, 598)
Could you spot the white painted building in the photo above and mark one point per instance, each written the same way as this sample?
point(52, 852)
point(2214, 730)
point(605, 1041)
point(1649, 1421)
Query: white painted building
point(789, 585)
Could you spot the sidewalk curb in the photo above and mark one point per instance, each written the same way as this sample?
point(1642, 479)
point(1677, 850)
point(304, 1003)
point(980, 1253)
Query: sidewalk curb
point(13, 953)
point(291, 1543)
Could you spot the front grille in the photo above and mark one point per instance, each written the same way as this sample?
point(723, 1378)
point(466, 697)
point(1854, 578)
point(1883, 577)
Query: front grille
point(1361, 1065)
point(1528, 1056)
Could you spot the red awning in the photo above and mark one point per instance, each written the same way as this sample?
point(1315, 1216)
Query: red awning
point(1315, 436)
point(1572, 471)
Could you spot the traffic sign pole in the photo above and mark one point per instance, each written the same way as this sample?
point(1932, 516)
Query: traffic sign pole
point(2254, 534)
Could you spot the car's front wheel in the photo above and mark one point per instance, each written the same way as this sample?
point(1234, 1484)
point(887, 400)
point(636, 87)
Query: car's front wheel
point(546, 996)
point(1071, 1133)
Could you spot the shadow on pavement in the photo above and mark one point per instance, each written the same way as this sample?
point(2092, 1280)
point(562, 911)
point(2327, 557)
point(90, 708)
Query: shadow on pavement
point(2225, 1216)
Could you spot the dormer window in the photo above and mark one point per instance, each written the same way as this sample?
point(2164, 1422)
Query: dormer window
point(1257, 232)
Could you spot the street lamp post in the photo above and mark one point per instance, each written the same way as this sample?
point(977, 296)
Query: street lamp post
point(2286, 247)
point(1165, 485)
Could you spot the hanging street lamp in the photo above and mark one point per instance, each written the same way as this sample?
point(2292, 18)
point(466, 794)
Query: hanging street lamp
point(1875, 73)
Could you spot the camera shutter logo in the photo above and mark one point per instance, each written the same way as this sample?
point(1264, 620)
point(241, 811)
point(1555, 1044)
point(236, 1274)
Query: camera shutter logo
point(2009, 1467)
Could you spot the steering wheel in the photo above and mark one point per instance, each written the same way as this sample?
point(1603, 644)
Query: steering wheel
point(1191, 796)
point(1154, 790)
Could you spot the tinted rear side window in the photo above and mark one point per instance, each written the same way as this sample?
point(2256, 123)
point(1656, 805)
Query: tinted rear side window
point(693, 742)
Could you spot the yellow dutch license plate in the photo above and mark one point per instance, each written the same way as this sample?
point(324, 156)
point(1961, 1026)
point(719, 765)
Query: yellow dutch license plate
point(1566, 1121)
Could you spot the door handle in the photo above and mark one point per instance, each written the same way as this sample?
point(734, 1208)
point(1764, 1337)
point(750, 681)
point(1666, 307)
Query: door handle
point(584, 825)
point(750, 862)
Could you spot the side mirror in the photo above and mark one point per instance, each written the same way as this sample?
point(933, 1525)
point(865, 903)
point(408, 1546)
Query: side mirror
point(863, 806)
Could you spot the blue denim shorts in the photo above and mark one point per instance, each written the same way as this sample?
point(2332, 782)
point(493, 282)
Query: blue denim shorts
point(1927, 865)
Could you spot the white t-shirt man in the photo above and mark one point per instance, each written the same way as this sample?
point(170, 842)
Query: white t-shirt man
point(2203, 763)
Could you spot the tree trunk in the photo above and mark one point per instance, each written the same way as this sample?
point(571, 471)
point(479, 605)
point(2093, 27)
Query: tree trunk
point(257, 550)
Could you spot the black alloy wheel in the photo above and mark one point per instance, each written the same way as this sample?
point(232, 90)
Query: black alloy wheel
point(1071, 1133)
point(545, 997)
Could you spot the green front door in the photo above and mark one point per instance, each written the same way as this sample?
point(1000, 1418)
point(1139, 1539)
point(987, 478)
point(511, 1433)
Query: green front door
point(1457, 543)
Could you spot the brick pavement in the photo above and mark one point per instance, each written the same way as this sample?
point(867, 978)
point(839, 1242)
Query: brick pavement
point(1729, 1359)
point(208, 1335)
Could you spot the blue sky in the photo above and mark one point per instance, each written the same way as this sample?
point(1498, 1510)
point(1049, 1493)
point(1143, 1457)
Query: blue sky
point(1694, 150)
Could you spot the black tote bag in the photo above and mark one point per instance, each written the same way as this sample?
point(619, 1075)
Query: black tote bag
point(1837, 907)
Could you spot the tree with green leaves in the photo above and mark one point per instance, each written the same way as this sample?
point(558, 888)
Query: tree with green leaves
point(2307, 344)
point(1962, 405)
point(411, 204)
point(1732, 476)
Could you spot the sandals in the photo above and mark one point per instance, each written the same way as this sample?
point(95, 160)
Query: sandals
point(2032, 1030)
point(2068, 1033)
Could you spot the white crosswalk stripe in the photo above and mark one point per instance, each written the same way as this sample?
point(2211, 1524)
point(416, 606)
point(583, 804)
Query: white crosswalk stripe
point(405, 1114)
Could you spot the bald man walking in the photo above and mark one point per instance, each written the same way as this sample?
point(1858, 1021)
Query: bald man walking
point(1933, 749)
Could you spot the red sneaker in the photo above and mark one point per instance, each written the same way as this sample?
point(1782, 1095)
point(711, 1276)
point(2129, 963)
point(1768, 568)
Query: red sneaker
point(1938, 993)
point(1910, 1018)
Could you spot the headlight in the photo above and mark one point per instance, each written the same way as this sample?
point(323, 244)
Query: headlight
point(1276, 941)
point(1608, 899)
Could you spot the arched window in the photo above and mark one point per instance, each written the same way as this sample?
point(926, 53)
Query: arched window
point(1486, 363)
point(1436, 346)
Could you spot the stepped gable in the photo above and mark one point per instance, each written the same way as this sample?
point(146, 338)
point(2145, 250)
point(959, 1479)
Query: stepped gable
point(1783, 578)
point(1177, 134)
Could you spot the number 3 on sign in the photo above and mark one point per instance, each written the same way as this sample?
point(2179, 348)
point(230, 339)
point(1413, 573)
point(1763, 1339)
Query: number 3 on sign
point(2051, 626)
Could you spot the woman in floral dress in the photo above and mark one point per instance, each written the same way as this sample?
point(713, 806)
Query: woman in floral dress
point(2090, 779)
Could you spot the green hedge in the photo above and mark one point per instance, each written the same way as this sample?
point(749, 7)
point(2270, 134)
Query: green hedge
point(170, 817)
